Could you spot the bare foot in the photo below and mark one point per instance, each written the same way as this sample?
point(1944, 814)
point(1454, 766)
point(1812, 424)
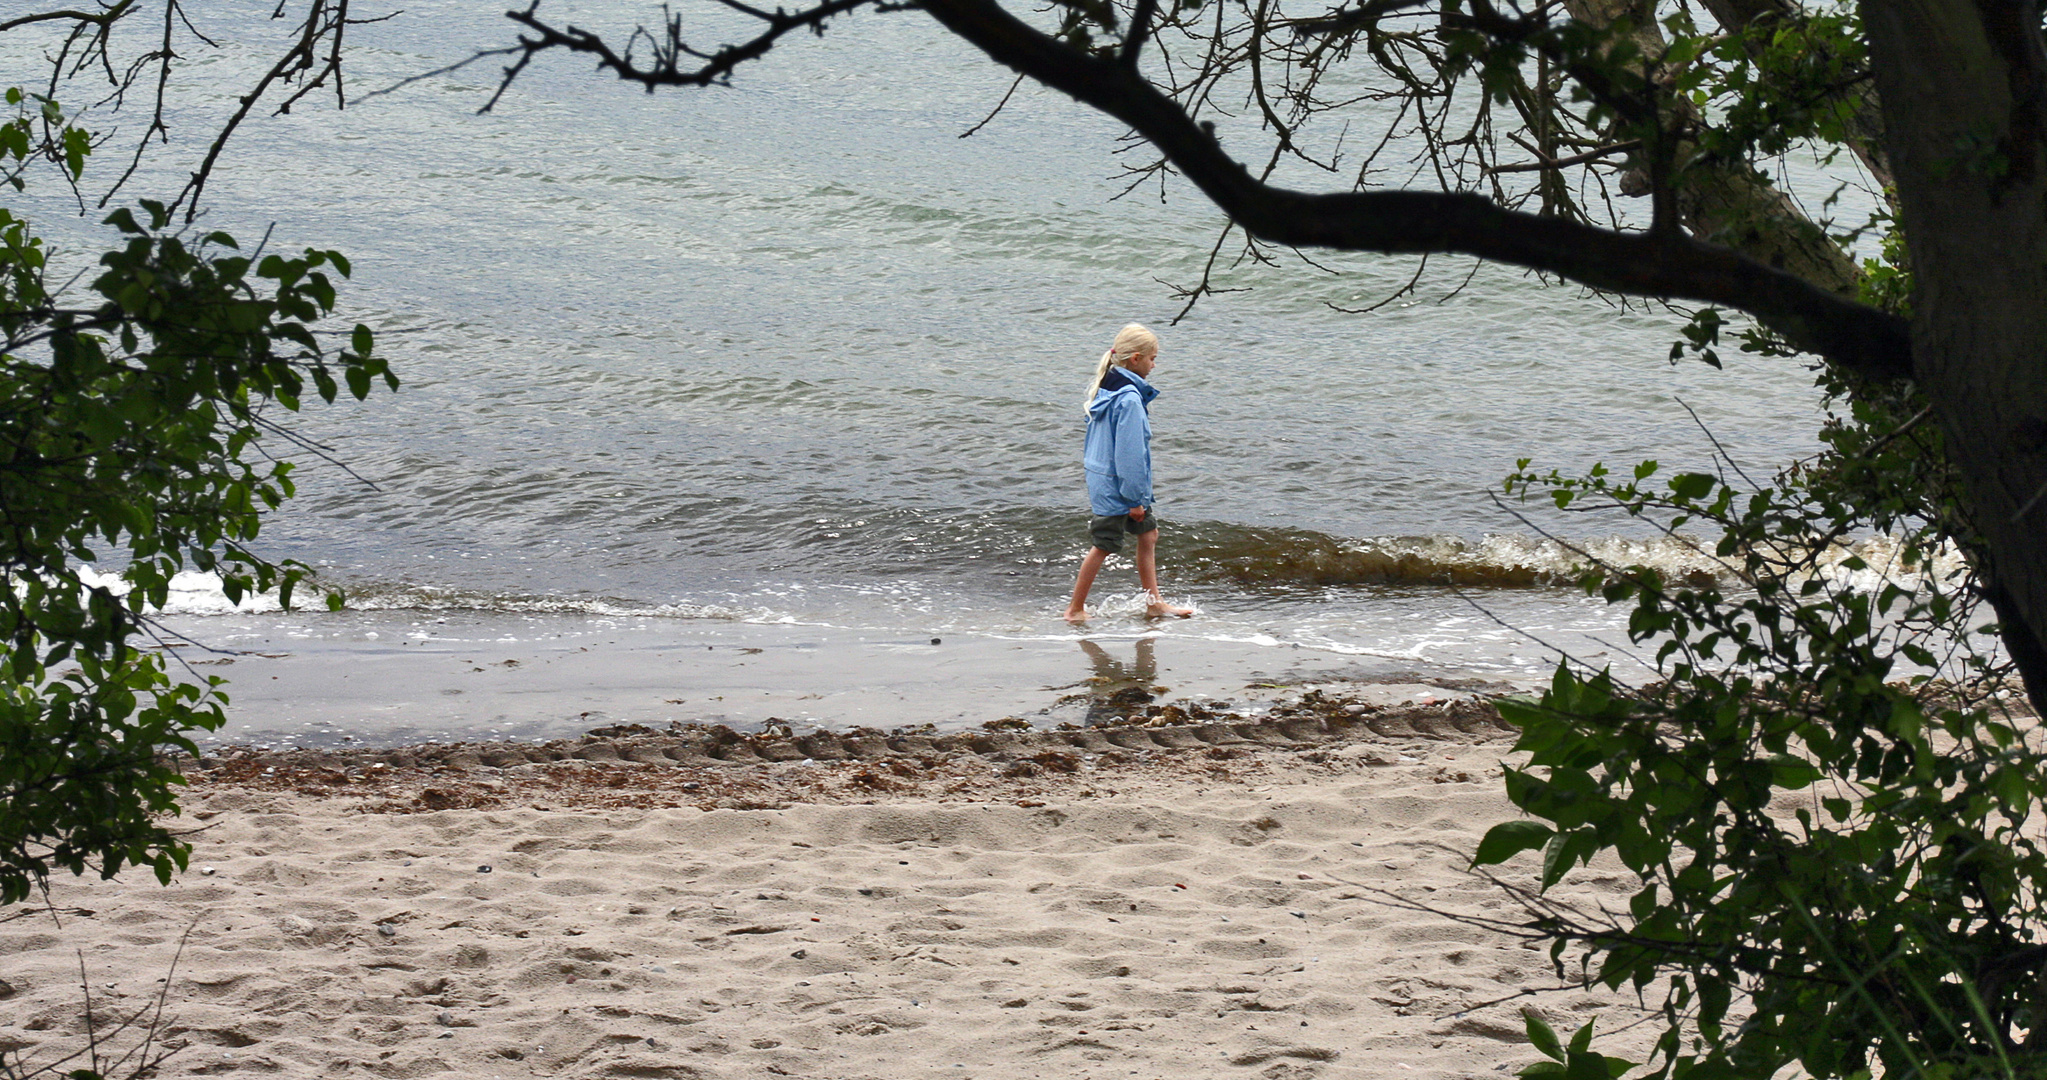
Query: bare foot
point(1075, 615)
point(1160, 611)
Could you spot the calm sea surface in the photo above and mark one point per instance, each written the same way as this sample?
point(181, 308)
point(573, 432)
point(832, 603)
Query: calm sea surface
point(795, 353)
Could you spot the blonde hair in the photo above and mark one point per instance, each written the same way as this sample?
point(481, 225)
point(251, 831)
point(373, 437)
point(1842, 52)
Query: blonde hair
point(1131, 341)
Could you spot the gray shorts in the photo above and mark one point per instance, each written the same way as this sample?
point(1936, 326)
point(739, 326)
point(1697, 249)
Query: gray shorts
point(1108, 532)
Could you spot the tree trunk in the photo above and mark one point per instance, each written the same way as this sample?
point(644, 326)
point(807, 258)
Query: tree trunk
point(1962, 84)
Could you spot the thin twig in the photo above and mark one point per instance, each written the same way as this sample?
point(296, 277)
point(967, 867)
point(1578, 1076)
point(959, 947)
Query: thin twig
point(1396, 294)
point(1544, 163)
point(993, 112)
point(1717, 448)
point(424, 75)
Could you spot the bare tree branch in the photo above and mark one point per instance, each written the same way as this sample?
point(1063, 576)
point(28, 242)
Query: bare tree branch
point(1594, 154)
point(1662, 264)
point(103, 18)
point(670, 49)
point(1357, 18)
point(324, 20)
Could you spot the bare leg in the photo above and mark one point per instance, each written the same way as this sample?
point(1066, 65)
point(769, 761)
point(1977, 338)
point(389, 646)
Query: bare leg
point(1089, 566)
point(1148, 576)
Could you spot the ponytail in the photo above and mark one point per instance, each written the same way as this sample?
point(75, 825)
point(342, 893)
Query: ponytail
point(1094, 384)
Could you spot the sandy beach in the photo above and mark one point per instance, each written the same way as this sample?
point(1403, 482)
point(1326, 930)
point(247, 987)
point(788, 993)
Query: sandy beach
point(1099, 903)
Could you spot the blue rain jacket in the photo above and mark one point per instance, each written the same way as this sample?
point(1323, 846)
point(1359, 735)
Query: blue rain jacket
point(1118, 451)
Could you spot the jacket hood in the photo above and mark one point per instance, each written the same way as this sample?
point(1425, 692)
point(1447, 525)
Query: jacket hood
point(1114, 383)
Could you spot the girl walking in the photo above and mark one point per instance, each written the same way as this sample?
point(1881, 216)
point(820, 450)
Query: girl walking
point(1118, 460)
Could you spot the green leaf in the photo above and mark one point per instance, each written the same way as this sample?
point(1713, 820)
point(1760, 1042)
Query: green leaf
point(324, 382)
point(1583, 1066)
point(1521, 711)
point(1564, 851)
point(1581, 1039)
point(1793, 774)
point(1692, 485)
point(1510, 838)
point(1542, 1036)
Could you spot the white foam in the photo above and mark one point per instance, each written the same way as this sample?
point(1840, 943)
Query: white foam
point(1677, 556)
point(195, 593)
point(191, 593)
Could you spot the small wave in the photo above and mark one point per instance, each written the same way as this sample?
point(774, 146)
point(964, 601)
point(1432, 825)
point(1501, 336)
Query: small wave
point(1288, 557)
point(1882, 560)
point(196, 593)
point(1257, 559)
point(1297, 558)
point(405, 596)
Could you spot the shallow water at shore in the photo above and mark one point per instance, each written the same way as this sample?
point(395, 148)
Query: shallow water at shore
point(387, 678)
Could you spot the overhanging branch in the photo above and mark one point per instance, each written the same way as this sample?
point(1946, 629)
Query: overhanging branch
point(1667, 265)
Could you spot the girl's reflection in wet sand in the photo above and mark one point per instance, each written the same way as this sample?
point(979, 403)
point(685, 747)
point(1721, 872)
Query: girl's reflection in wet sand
point(1120, 689)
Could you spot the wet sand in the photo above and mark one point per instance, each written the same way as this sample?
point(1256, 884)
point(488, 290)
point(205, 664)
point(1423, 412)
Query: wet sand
point(393, 678)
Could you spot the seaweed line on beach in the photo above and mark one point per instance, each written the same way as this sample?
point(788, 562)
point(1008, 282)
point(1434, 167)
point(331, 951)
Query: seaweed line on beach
point(714, 767)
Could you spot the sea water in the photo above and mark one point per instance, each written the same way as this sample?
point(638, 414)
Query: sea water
point(792, 366)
